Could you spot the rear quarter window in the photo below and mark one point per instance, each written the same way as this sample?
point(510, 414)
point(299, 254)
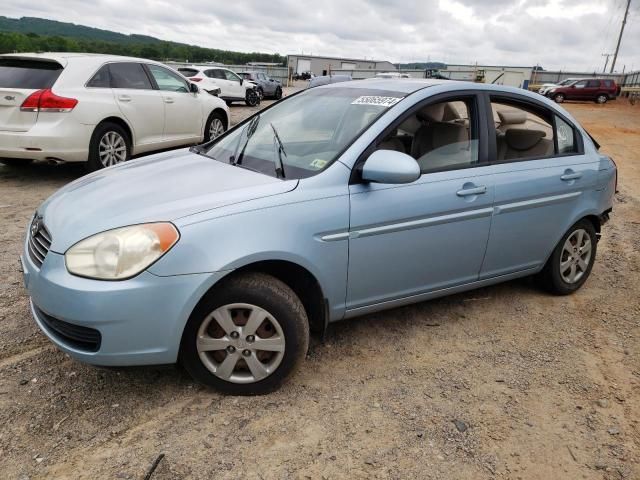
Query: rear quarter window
point(31, 74)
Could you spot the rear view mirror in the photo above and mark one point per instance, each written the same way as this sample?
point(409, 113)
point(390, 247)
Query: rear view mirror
point(389, 166)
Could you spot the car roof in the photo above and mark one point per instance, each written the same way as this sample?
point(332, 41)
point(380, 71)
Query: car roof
point(64, 57)
point(408, 86)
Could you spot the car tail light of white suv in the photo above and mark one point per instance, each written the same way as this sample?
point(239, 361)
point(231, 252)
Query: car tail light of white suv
point(47, 101)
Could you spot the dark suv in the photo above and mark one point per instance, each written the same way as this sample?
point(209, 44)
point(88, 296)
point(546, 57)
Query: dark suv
point(599, 90)
point(267, 87)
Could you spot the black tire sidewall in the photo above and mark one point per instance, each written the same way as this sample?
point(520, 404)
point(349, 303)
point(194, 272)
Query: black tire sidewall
point(278, 93)
point(553, 279)
point(93, 162)
point(252, 99)
point(267, 293)
point(207, 126)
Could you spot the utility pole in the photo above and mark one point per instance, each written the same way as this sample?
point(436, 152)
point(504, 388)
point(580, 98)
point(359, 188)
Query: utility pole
point(606, 62)
point(624, 20)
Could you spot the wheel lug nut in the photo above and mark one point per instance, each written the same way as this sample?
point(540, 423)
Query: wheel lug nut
point(231, 349)
point(251, 339)
point(246, 353)
point(234, 335)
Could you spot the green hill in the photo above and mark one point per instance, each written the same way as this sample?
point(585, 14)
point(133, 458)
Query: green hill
point(29, 34)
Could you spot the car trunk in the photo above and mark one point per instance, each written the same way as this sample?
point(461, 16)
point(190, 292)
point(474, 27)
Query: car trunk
point(19, 78)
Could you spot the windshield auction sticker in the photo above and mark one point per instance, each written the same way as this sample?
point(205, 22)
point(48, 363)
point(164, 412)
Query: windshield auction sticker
point(376, 101)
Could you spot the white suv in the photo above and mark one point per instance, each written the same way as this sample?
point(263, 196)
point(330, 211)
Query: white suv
point(233, 88)
point(99, 109)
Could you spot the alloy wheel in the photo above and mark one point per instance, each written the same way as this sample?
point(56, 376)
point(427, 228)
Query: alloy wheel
point(112, 149)
point(216, 128)
point(240, 343)
point(601, 99)
point(575, 256)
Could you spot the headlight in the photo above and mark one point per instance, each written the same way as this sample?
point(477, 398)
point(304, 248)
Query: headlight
point(121, 253)
point(551, 90)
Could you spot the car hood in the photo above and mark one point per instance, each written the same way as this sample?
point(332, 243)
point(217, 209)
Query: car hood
point(161, 187)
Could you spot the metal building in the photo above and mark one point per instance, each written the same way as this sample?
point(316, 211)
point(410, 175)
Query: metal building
point(300, 63)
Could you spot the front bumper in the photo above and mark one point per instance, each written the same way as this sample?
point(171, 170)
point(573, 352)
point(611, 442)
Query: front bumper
point(140, 320)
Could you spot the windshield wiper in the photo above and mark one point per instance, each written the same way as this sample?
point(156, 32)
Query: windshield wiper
point(249, 130)
point(279, 149)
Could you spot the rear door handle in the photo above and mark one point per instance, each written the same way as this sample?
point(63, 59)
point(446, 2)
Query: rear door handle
point(168, 100)
point(124, 98)
point(465, 192)
point(567, 177)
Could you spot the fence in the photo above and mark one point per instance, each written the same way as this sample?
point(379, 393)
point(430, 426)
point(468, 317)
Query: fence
point(277, 73)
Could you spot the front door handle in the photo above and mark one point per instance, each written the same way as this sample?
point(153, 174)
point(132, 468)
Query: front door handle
point(568, 176)
point(124, 98)
point(168, 100)
point(465, 192)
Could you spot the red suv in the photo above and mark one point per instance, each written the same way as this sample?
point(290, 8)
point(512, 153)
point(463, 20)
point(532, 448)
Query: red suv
point(598, 90)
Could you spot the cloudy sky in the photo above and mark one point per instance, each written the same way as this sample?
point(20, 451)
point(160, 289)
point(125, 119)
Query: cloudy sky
point(554, 33)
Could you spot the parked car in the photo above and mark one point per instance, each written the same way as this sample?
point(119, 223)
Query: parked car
point(546, 87)
point(303, 76)
point(335, 202)
point(267, 86)
point(327, 79)
point(98, 109)
point(598, 90)
point(233, 88)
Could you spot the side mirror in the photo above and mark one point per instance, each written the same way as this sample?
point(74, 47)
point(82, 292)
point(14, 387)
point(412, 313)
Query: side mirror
point(193, 88)
point(241, 81)
point(271, 79)
point(389, 166)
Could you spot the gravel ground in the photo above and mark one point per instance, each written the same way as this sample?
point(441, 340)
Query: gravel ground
point(503, 382)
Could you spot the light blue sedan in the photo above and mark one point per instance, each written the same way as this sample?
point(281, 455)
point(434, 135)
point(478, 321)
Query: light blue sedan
point(338, 201)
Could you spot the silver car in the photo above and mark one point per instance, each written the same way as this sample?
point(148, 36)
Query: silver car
point(338, 201)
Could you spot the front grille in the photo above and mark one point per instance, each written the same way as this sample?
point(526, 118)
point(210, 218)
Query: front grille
point(82, 338)
point(39, 241)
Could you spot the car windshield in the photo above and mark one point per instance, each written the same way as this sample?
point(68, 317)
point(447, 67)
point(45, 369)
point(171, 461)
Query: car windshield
point(313, 127)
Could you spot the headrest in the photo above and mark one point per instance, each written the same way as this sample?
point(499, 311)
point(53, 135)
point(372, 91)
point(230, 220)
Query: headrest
point(449, 113)
point(447, 134)
point(512, 118)
point(522, 139)
point(432, 113)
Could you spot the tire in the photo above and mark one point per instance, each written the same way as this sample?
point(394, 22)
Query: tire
point(228, 102)
point(108, 133)
point(15, 162)
point(553, 278)
point(559, 97)
point(260, 93)
point(602, 99)
point(252, 98)
point(237, 298)
point(216, 125)
point(278, 94)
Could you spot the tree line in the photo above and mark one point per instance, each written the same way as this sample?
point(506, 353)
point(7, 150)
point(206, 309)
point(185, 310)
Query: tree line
point(13, 42)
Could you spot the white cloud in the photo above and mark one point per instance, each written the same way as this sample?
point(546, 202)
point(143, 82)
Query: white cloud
point(554, 33)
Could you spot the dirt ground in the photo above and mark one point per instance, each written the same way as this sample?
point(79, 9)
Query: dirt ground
point(503, 382)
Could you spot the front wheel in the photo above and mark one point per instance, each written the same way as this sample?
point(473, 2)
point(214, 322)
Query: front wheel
point(572, 260)
point(216, 126)
point(558, 97)
point(602, 98)
point(247, 336)
point(109, 145)
point(252, 99)
point(278, 94)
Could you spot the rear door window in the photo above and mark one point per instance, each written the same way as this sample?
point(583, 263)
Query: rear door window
point(215, 73)
point(29, 74)
point(593, 84)
point(129, 75)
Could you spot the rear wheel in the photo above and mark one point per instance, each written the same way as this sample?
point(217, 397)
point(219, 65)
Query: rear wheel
point(602, 98)
point(247, 336)
point(572, 260)
point(558, 97)
point(110, 145)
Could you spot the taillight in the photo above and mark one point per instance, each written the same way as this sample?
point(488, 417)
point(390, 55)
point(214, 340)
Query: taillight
point(616, 167)
point(47, 101)
point(195, 79)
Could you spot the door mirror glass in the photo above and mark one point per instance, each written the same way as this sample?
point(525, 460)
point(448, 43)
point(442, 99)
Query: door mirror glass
point(389, 166)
